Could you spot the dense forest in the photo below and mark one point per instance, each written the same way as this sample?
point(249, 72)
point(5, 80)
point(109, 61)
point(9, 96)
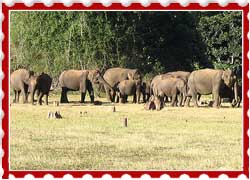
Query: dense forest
point(154, 42)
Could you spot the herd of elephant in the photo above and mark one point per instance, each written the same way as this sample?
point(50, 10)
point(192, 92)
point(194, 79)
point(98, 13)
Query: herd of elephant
point(119, 83)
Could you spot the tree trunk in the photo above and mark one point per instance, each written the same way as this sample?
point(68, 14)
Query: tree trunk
point(69, 42)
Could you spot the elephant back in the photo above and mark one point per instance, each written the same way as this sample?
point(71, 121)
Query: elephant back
point(177, 74)
point(204, 80)
point(44, 82)
point(19, 76)
point(71, 79)
point(166, 86)
point(114, 76)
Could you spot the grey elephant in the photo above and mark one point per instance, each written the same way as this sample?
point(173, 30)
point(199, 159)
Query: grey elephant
point(19, 81)
point(170, 87)
point(209, 81)
point(114, 76)
point(178, 74)
point(40, 84)
point(129, 87)
point(75, 80)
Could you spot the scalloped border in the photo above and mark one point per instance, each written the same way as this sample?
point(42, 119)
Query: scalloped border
point(124, 174)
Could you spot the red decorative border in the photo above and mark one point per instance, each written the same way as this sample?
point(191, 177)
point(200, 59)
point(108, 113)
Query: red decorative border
point(117, 174)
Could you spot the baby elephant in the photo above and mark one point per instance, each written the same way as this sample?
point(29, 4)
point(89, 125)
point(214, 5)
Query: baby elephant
point(153, 103)
point(127, 88)
point(41, 84)
point(170, 87)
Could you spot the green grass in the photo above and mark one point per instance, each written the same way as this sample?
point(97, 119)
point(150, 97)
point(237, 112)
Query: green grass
point(171, 139)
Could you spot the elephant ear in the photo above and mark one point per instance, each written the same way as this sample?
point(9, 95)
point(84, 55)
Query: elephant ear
point(130, 76)
point(31, 73)
point(97, 73)
point(178, 85)
point(223, 75)
point(83, 81)
point(94, 75)
point(137, 74)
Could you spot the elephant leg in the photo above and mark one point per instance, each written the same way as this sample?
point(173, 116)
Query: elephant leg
point(148, 96)
point(113, 97)
point(138, 97)
point(64, 98)
point(184, 98)
point(216, 97)
point(122, 98)
point(23, 94)
point(134, 98)
point(144, 97)
point(40, 98)
point(83, 94)
point(219, 102)
point(199, 97)
point(46, 100)
point(37, 94)
point(108, 94)
point(26, 87)
point(125, 98)
point(180, 100)
point(32, 97)
point(238, 105)
point(15, 92)
point(194, 97)
point(18, 95)
point(187, 101)
point(91, 92)
point(173, 100)
point(117, 98)
point(158, 103)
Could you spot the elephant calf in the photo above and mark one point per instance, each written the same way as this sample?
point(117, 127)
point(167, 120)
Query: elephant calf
point(129, 87)
point(42, 85)
point(19, 80)
point(170, 87)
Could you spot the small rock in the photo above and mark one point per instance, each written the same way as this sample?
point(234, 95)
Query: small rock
point(97, 103)
point(58, 115)
point(55, 115)
point(113, 109)
point(126, 122)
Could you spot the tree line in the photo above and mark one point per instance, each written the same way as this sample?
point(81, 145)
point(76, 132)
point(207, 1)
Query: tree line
point(154, 42)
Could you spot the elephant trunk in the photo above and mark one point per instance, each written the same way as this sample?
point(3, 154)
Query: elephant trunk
point(235, 91)
point(32, 86)
point(32, 92)
point(102, 80)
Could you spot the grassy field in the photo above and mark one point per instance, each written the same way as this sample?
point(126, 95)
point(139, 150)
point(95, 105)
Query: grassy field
point(172, 139)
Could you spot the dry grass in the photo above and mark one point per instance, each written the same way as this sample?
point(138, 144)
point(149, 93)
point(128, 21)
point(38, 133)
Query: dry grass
point(172, 139)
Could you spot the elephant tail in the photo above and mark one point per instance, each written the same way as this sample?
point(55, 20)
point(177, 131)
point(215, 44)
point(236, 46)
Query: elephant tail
point(56, 85)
